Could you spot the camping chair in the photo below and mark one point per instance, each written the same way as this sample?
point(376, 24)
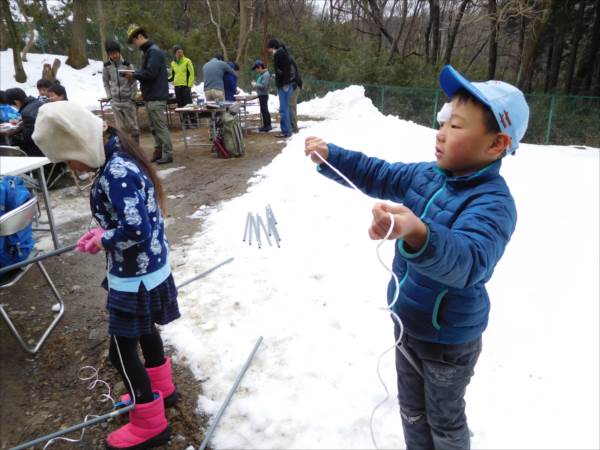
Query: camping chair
point(11, 150)
point(11, 223)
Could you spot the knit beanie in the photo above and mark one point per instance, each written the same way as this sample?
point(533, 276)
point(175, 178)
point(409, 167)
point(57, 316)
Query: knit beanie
point(66, 131)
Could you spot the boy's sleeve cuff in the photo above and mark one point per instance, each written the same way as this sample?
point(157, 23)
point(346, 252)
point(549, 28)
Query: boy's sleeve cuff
point(406, 254)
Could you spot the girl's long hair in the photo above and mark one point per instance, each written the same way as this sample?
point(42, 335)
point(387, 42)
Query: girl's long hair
point(131, 147)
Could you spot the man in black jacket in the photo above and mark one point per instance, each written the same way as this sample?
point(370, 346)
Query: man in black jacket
point(155, 91)
point(283, 80)
point(28, 107)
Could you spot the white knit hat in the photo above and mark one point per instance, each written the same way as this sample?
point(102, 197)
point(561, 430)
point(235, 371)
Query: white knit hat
point(67, 131)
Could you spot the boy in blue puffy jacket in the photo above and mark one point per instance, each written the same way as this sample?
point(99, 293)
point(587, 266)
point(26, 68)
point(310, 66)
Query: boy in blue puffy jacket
point(456, 217)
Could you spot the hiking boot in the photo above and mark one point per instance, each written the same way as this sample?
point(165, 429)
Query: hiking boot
point(164, 160)
point(281, 135)
point(156, 156)
point(265, 129)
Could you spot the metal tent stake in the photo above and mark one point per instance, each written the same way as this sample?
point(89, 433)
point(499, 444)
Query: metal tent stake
point(255, 223)
point(213, 426)
point(79, 426)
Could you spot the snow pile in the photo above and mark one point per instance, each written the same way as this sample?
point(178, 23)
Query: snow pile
point(317, 299)
point(347, 102)
point(83, 86)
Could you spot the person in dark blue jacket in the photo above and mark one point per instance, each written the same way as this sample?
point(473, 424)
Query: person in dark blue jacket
point(126, 201)
point(230, 82)
point(154, 84)
point(454, 222)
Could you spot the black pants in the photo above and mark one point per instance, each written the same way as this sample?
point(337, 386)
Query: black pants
point(433, 406)
point(264, 110)
point(154, 356)
point(183, 95)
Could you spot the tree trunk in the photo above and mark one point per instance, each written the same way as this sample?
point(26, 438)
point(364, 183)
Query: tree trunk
point(415, 14)
point(266, 33)
point(588, 59)
point(532, 46)
point(454, 31)
point(558, 42)
point(400, 29)
point(15, 42)
point(101, 26)
point(30, 31)
point(548, 65)
point(77, 52)
point(246, 25)
point(427, 37)
point(217, 24)
point(596, 86)
point(493, 46)
point(434, 6)
point(577, 32)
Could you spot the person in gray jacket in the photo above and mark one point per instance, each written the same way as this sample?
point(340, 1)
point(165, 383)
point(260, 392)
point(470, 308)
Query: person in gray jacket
point(212, 73)
point(262, 86)
point(121, 91)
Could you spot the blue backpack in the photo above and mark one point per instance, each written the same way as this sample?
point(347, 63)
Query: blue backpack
point(16, 247)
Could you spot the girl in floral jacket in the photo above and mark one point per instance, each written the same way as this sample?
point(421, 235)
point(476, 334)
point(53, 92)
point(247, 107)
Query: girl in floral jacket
point(126, 202)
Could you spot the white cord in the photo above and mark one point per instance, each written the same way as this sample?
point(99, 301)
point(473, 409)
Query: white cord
point(132, 395)
point(94, 381)
point(390, 307)
point(103, 397)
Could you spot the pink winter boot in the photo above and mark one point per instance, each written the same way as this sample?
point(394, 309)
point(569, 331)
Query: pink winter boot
point(147, 428)
point(161, 379)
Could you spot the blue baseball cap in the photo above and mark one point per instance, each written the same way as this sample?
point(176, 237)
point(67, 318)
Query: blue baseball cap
point(257, 63)
point(506, 102)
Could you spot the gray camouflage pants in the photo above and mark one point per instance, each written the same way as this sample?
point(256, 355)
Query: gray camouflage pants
point(156, 110)
point(126, 118)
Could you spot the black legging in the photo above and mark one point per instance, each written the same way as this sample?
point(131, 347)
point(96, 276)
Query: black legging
point(154, 356)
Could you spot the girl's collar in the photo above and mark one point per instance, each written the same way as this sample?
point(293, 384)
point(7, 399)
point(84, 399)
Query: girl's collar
point(113, 145)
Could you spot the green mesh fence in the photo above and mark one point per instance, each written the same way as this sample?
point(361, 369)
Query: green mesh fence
point(554, 119)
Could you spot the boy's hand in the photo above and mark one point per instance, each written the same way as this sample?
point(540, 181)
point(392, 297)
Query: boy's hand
point(407, 225)
point(316, 145)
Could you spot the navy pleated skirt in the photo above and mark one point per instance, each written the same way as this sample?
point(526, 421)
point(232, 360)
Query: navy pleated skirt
point(133, 314)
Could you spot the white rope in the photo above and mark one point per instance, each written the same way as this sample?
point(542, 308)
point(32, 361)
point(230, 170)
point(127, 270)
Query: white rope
point(104, 397)
point(389, 308)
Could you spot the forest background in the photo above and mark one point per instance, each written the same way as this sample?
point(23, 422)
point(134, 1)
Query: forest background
point(395, 48)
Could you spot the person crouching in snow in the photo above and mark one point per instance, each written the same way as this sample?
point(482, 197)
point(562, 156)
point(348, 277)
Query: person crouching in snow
point(126, 201)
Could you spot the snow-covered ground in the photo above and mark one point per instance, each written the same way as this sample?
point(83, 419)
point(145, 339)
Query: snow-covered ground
point(317, 301)
point(83, 86)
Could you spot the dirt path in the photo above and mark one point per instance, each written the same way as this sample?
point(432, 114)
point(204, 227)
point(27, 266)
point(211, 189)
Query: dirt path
point(42, 394)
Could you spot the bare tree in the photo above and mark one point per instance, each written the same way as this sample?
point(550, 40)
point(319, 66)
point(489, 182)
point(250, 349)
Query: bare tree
point(433, 28)
point(217, 24)
point(493, 42)
point(588, 58)
point(576, 37)
point(246, 25)
point(31, 33)
point(453, 31)
point(14, 41)
point(101, 26)
point(399, 33)
point(532, 45)
point(77, 52)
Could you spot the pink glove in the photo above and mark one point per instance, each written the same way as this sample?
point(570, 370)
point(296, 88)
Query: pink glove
point(91, 242)
point(83, 240)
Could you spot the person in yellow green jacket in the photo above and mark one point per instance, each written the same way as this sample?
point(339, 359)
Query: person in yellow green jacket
point(182, 76)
